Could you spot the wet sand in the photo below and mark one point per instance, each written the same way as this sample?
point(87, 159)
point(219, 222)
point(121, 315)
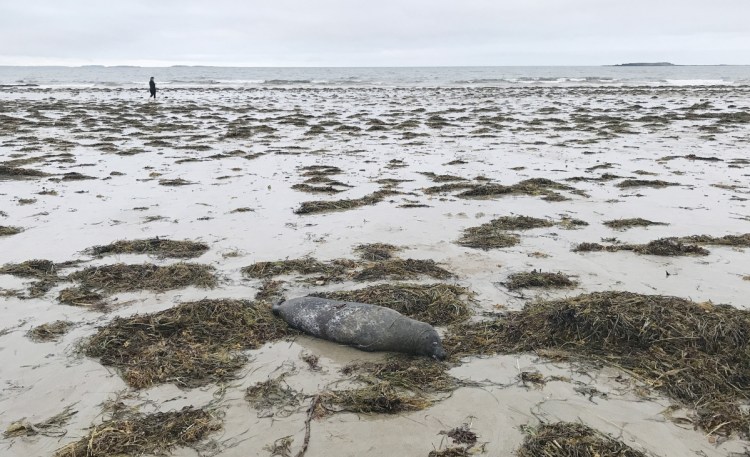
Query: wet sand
point(245, 149)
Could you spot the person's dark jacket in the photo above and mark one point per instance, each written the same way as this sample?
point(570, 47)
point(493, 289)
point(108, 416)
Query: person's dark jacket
point(152, 86)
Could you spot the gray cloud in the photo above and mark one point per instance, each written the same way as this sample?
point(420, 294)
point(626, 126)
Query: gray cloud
point(389, 32)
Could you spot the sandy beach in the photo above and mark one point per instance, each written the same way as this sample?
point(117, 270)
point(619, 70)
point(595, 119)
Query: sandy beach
point(311, 174)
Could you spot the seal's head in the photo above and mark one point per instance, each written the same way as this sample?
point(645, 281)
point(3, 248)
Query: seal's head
point(429, 344)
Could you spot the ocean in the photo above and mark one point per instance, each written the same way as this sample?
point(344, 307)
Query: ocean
point(238, 77)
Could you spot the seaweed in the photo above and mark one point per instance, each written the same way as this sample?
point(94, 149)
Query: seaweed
point(159, 247)
point(333, 270)
point(380, 398)
point(271, 398)
point(538, 279)
point(660, 247)
point(696, 353)
point(141, 434)
point(624, 224)
point(49, 332)
point(7, 230)
point(51, 427)
point(190, 345)
point(436, 304)
point(123, 277)
point(567, 439)
point(323, 206)
point(82, 296)
point(7, 172)
point(402, 269)
point(645, 183)
point(416, 374)
point(174, 182)
point(494, 234)
point(376, 251)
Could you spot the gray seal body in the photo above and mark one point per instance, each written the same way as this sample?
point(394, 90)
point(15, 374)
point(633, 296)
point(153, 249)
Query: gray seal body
point(364, 326)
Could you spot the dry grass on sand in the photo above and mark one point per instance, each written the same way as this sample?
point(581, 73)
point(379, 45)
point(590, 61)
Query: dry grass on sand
point(566, 439)
point(159, 247)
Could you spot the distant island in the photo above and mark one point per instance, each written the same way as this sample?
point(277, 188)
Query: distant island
point(646, 64)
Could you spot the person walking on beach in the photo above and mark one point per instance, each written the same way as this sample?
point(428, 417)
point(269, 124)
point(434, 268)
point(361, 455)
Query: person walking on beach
point(152, 87)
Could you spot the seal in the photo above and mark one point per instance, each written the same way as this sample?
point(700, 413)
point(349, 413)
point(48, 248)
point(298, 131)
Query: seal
point(364, 326)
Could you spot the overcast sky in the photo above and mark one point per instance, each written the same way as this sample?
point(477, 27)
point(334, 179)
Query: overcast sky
point(373, 33)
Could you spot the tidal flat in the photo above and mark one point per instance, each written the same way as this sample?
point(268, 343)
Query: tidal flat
point(142, 243)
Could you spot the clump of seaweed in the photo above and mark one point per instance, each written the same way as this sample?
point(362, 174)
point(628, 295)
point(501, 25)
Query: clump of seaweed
point(696, 353)
point(272, 397)
point(450, 187)
point(141, 434)
point(49, 332)
point(402, 269)
point(320, 170)
point(323, 206)
point(7, 172)
point(742, 241)
point(417, 374)
point(190, 345)
point(316, 189)
point(570, 223)
point(656, 183)
point(532, 187)
point(567, 439)
point(159, 247)
point(8, 230)
point(52, 427)
point(380, 398)
point(123, 277)
point(376, 251)
point(43, 271)
point(81, 296)
point(436, 304)
point(269, 290)
point(542, 279)
point(494, 234)
point(174, 182)
point(332, 270)
point(661, 247)
point(624, 224)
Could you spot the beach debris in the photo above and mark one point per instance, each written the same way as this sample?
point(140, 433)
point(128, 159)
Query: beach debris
point(402, 269)
point(376, 251)
point(567, 439)
point(273, 397)
point(656, 183)
point(624, 224)
point(269, 290)
point(123, 277)
point(541, 279)
point(7, 172)
point(323, 206)
point(416, 374)
point(145, 434)
point(495, 234)
point(159, 247)
point(435, 304)
point(190, 345)
point(695, 353)
point(175, 182)
point(8, 230)
point(51, 331)
point(380, 398)
point(82, 296)
point(44, 272)
point(661, 247)
point(52, 427)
